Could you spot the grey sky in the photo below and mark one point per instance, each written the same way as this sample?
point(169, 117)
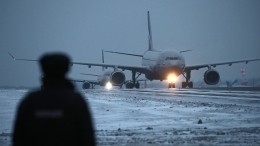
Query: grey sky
point(217, 30)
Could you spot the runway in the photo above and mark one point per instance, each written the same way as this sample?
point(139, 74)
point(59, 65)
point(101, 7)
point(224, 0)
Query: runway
point(161, 116)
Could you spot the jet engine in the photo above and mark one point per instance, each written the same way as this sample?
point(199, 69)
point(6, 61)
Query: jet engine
point(129, 85)
point(211, 77)
point(117, 78)
point(86, 85)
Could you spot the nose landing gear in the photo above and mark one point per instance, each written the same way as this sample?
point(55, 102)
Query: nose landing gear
point(171, 85)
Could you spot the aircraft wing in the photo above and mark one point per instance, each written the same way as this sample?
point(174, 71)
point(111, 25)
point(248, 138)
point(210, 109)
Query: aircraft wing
point(196, 67)
point(140, 69)
point(21, 59)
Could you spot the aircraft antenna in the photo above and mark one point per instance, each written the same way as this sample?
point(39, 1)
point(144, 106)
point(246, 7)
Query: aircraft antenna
point(103, 59)
point(150, 33)
point(183, 51)
point(89, 74)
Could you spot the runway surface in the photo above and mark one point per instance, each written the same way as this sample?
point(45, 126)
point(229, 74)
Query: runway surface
point(161, 116)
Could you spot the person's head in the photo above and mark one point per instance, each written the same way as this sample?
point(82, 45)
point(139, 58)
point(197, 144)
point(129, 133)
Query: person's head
point(54, 65)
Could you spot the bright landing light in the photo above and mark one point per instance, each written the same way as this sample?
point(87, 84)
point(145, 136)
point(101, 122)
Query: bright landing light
point(108, 86)
point(171, 78)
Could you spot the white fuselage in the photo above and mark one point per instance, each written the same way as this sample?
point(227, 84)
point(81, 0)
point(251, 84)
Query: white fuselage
point(163, 63)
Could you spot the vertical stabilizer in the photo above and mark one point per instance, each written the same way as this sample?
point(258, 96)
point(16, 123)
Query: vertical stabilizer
point(150, 40)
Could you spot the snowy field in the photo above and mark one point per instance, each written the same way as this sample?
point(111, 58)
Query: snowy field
point(161, 116)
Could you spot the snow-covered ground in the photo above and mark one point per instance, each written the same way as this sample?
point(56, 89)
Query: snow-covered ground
point(161, 116)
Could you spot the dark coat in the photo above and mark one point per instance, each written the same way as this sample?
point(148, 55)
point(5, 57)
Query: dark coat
point(57, 115)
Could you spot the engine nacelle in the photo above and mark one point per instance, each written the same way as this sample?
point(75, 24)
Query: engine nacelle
point(211, 77)
point(129, 85)
point(86, 85)
point(117, 78)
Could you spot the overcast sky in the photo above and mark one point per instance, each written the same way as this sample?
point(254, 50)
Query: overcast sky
point(216, 31)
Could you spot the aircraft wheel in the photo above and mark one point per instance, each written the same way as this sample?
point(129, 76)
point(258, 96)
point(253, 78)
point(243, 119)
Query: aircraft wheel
point(190, 84)
point(171, 85)
point(137, 85)
point(183, 84)
point(187, 85)
point(129, 85)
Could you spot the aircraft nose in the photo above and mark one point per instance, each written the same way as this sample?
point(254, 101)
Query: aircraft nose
point(173, 64)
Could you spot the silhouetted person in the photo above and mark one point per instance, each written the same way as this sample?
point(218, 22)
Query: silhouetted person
point(56, 115)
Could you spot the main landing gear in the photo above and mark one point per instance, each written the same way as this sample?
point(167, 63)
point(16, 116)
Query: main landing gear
point(187, 83)
point(135, 84)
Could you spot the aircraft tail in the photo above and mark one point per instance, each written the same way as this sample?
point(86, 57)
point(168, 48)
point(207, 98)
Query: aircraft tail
point(150, 40)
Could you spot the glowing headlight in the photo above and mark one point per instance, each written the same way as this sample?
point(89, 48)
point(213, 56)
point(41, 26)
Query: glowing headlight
point(172, 78)
point(108, 86)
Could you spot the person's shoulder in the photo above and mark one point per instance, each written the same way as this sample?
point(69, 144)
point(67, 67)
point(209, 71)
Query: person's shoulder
point(33, 92)
point(77, 94)
point(29, 96)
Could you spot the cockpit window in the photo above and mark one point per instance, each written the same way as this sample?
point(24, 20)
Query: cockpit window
point(172, 58)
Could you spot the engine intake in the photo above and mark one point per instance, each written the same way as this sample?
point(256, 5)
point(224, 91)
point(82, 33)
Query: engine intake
point(117, 78)
point(86, 85)
point(211, 77)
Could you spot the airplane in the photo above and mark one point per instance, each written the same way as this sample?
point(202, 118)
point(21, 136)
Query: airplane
point(106, 79)
point(166, 65)
point(86, 84)
point(161, 65)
